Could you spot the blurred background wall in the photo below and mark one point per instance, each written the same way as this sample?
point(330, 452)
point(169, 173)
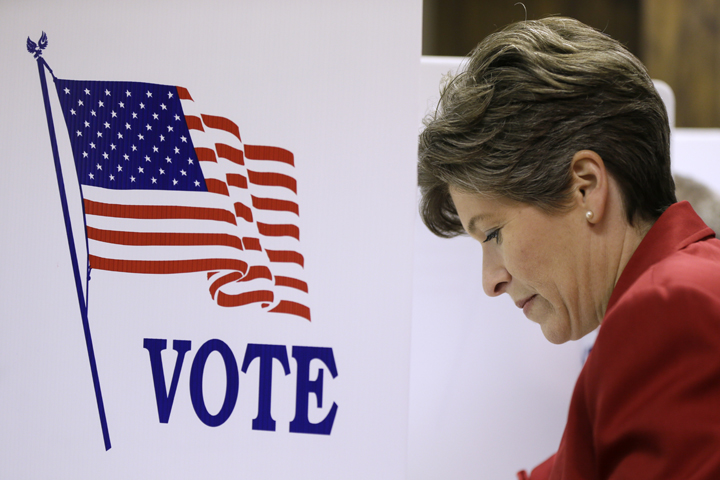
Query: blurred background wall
point(678, 40)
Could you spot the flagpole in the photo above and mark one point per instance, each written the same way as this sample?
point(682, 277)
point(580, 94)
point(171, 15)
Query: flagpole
point(73, 254)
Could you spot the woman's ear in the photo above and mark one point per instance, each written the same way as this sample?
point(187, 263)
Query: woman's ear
point(590, 184)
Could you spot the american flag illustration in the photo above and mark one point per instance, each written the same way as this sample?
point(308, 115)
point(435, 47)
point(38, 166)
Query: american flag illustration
point(168, 189)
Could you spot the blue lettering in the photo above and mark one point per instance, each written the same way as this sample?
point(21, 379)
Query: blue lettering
point(196, 383)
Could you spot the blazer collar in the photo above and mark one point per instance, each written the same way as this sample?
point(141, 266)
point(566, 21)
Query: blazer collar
point(677, 227)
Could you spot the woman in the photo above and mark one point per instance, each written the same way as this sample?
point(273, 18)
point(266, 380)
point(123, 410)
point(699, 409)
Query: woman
point(551, 149)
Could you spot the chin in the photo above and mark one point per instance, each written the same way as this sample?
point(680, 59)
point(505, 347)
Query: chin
point(555, 335)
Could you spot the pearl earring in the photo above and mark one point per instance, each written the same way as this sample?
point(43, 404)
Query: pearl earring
point(589, 215)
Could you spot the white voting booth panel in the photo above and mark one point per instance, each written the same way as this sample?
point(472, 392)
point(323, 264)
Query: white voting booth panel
point(489, 394)
point(291, 312)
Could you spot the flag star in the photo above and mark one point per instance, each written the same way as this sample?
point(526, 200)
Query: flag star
point(92, 112)
point(149, 94)
point(127, 93)
point(67, 90)
point(127, 126)
point(119, 168)
point(120, 135)
point(87, 92)
point(177, 117)
point(177, 150)
point(170, 95)
point(126, 156)
point(92, 177)
point(87, 124)
point(155, 149)
point(112, 146)
point(155, 116)
point(99, 134)
point(147, 158)
point(170, 129)
point(162, 105)
point(112, 177)
point(134, 148)
point(121, 104)
point(79, 133)
point(85, 154)
point(148, 127)
point(72, 111)
point(134, 115)
point(190, 161)
point(162, 138)
point(184, 173)
point(80, 103)
point(142, 105)
point(132, 179)
point(107, 125)
point(107, 92)
point(162, 172)
point(99, 167)
point(168, 159)
point(105, 155)
point(140, 169)
point(174, 181)
point(183, 138)
point(92, 145)
point(197, 184)
point(154, 180)
point(114, 115)
point(140, 137)
point(100, 104)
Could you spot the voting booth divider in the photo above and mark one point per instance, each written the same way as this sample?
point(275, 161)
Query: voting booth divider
point(212, 261)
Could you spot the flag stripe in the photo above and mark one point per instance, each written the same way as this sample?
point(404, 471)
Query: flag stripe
point(243, 211)
point(222, 281)
point(231, 153)
point(164, 238)
point(167, 267)
point(292, 308)
point(291, 282)
point(274, 204)
point(285, 256)
point(225, 300)
point(260, 152)
point(272, 179)
point(217, 186)
point(205, 154)
point(237, 180)
point(183, 93)
point(279, 230)
point(157, 212)
point(194, 123)
point(222, 123)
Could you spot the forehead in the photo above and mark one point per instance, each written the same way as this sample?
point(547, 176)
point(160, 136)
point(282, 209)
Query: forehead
point(476, 210)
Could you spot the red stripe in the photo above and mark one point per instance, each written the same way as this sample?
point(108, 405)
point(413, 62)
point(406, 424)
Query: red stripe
point(232, 154)
point(257, 271)
point(243, 211)
point(278, 230)
point(293, 309)
point(291, 282)
point(222, 123)
point(205, 154)
point(173, 239)
point(158, 212)
point(236, 180)
point(258, 152)
point(224, 280)
point(183, 93)
point(252, 244)
point(285, 256)
point(216, 186)
point(272, 179)
point(275, 204)
point(167, 266)
point(225, 300)
point(194, 123)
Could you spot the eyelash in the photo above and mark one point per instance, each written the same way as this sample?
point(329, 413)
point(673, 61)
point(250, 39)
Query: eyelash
point(495, 234)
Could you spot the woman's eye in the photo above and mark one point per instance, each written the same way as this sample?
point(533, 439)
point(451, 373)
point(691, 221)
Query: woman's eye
point(495, 234)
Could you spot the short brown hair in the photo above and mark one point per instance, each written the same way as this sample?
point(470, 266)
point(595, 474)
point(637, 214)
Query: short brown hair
point(529, 97)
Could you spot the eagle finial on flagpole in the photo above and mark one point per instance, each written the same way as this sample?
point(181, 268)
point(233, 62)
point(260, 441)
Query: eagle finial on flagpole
point(37, 48)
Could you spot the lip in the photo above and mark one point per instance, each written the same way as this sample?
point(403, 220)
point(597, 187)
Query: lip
point(525, 303)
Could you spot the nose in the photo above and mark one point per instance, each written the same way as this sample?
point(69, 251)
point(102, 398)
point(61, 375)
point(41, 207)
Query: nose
point(495, 277)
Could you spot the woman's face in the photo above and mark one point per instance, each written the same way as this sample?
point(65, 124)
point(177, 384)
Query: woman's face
point(539, 259)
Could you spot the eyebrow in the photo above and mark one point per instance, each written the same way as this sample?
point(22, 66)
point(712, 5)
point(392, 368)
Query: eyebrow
point(477, 218)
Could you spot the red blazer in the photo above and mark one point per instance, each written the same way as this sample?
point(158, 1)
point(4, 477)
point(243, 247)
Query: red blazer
point(647, 402)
